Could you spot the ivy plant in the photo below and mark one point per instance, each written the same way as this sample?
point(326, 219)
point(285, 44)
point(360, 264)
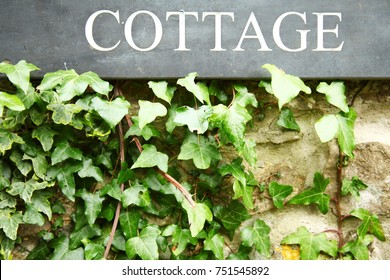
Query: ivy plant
point(72, 148)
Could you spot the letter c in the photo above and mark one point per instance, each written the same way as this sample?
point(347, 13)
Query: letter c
point(89, 30)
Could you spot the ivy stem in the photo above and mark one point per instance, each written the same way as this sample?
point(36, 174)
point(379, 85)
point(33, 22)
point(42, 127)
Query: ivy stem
point(339, 214)
point(119, 206)
point(168, 177)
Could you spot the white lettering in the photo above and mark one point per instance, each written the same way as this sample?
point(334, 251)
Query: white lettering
point(182, 27)
point(321, 31)
point(259, 35)
point(276, 33)
point(89, 30)
point(129, 33)
point(218, 27)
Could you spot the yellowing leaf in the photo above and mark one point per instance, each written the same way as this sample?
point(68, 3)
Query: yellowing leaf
point(311, 245)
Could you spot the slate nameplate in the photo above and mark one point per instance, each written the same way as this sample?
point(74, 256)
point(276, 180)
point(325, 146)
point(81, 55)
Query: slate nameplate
point(217, 39)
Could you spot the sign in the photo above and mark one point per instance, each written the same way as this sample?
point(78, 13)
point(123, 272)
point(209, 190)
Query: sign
point(217, 39)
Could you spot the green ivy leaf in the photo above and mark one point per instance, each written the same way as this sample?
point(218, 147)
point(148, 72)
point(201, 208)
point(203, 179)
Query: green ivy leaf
point(24, 166)
point(370, 223)
point(200, 150)
point(89, 170)
point(26, 189)
point(353, 187)
point(62, 250)
point(65, 151)
point(197, 216)
point(39, 163)
point(162, 90)
point(93, 205)
point(340, 126)
point(285, 87)
point(346, 137)
point(45, 136)
point(335, 94)
point(96, 83)
point(151, 157)
point(231, 216)
point(180, 238)
point(147, 132)
point(9, 222)
point(84, 233)
point(6, 200)
point(64, 174)
point(129, 223)
point(257, 235)
point(94, 251)
point(199, 90)
point(327, 128)
point(358, 248)
point(287, 120)
point(232, 121)
point(7, 139)
point(137, 194)
point(19, 74)
point(149, 111)
point(10, 101)
point(215, 244)
point(144, 245)
point(33, 217)
point(40, 202)
point(125, 174)
point(311, 245)
point(112, 189)
point(279, 193)
point(242, 254)
point(112, 112)
point(248, 151)
point(243, 97)
point(236, 169)
point(63, 113)
point(194, 119)
point(244, 191)
point(71, 84)
point(314, 195)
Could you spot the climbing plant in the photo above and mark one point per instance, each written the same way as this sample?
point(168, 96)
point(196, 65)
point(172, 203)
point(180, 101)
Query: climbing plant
point(102, 180)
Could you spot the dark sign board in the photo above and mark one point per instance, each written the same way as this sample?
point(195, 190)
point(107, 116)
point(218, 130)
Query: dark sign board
point(216, 38)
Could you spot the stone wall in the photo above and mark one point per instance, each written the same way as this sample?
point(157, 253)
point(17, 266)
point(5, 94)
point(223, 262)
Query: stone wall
point(292, 158)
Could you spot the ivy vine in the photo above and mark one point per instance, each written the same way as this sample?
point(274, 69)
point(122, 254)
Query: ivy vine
point(143, 192)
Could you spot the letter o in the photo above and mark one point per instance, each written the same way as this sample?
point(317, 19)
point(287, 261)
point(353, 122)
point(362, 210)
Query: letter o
point(129, 35)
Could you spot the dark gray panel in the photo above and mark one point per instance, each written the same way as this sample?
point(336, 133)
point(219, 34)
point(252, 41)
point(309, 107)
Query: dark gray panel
point(51, 34)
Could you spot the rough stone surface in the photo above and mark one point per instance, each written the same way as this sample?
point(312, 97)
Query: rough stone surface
point(293, 157)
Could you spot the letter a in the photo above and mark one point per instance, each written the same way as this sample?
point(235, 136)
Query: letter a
point(259, 35)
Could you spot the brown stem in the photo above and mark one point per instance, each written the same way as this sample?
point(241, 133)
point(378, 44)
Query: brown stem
point(119, 206)
point(338, 198)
